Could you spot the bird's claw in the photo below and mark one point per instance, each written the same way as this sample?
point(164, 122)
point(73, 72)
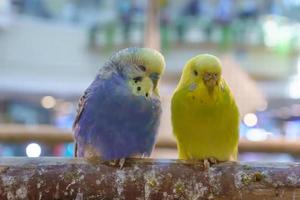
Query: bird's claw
point(212, 160)
point(122, 162)
point(119, 162)
point(208, 162)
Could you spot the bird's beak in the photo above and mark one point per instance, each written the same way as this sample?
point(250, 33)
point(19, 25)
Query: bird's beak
point(210, 80)
point(154, 77)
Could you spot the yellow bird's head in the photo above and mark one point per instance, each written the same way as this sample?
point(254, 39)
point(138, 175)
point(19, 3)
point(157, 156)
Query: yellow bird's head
point(202, 69)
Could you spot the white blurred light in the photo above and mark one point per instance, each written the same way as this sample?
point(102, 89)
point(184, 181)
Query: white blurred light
point(250, 119)
point(4, 4)
point(291, 3)
point(257, 134)
point(33, 150)
point(48, 102)
point(271, 31)
point(293, 89)
point(276, 33)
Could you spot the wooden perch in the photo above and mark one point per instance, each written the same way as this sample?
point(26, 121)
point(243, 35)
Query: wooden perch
point(61, 178)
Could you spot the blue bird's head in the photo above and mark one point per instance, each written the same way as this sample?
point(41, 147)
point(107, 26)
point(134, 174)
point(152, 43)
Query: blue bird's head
point(142, 68)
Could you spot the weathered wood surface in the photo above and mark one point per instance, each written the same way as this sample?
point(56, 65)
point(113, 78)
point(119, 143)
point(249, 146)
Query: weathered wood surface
point(61, 178)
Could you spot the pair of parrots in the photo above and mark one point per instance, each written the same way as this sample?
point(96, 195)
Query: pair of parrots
point(119, 113)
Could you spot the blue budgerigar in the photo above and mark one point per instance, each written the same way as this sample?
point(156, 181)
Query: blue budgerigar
point(118, 114)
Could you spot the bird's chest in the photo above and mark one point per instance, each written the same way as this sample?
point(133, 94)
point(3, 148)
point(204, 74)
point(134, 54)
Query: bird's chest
point(200, 116)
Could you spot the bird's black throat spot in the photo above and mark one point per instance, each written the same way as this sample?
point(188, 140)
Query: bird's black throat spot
point(137, 79)
point(147, 94)
point(142, 68)
point(138, 88)
point(195, 73)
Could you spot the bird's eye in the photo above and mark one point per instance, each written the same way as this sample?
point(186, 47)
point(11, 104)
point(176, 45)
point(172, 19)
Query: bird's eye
point(142, 67)
point(195, 73)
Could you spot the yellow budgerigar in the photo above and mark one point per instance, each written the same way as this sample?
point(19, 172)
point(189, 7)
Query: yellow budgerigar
point(205, 117)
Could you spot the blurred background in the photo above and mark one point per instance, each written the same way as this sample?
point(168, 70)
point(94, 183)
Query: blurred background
point(51, 50)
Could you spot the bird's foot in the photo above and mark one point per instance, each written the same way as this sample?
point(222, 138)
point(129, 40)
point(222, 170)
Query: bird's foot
point(122, 162)
point(213, 160)
point(208, 162)
point(118, 162)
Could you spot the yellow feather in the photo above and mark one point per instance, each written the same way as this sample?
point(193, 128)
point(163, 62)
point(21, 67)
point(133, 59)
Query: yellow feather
point(205, 119)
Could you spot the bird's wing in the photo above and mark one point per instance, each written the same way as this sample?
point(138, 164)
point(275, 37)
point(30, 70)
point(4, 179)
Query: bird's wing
point(80, 107)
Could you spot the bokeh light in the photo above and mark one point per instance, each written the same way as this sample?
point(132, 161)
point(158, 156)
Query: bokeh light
point(250, 119)
point(33, 150)
point(257, 134)
point(48, 102)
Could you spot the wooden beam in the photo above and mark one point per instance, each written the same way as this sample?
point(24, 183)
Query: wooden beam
point(271, 146)
point(266, 146)
point(43, 133)
point(61, 178)
point(152, 28)
point(51, 135)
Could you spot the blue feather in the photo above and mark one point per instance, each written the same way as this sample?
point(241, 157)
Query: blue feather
point(116, 123)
